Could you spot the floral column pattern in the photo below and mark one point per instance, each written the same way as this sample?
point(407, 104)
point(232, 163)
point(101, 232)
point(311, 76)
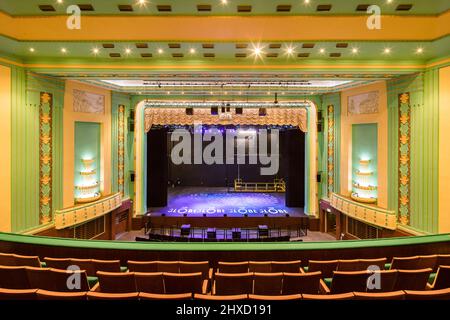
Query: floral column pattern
point(404, 164)
point(121, 150)
point(330, 151)
point(45, 157)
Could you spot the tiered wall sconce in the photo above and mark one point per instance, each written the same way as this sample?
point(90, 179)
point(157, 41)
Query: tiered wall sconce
point(88, 190)
point(364, 190)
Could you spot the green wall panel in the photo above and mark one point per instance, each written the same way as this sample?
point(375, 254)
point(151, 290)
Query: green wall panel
point(26, 89)
point(424, 95)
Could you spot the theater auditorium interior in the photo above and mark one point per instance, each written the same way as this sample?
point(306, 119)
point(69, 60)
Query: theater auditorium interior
point(217, 150)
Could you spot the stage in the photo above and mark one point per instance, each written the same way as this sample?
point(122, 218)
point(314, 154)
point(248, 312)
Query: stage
point(222, 208)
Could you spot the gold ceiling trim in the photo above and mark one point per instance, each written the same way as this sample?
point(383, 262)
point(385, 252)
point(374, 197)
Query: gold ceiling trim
point(225, 28)
point(250, 116)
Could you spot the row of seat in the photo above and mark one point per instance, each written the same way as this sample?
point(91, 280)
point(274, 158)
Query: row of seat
point(38, 294)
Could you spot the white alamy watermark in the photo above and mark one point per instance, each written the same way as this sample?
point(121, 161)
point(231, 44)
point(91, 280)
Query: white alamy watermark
point(237, 142)
point(374, 20)
point(74, 20)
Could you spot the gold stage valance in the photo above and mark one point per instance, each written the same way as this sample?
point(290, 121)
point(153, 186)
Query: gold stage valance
point(250, 116)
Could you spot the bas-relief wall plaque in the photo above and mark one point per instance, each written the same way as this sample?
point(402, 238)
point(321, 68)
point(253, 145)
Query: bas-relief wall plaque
point(365, 103)
point(88, 102)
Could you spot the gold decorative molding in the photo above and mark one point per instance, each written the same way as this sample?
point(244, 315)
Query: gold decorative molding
point(79, 214)
point(45, 158)
point(366, 213)
point(250, 116)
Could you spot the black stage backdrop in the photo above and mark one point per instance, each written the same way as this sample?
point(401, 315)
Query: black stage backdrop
point(161, 171)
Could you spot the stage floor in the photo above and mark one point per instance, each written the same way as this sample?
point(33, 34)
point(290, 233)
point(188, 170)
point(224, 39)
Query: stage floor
point(216, 202)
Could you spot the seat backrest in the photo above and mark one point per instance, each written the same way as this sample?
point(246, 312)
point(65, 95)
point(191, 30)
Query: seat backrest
point(41, 278)
point(349, 265)
point(91, 295)
point(58, 263)
point(412, 279)
point(63, 296)
point(442, 260)
point(258, 266)
point(233, 267)
point(17, 294)
point(193, 267)
point(153, 296)
point(296, 283)
point(290, 297)
point(69, 281)
point(150, 282)
point(429, 261)
point(442, 280)
point(7, 259)
point(116, 282)
point(405, 263)
point(27, 261)
point(12, 277)
point(233, 284)
point(442, 294)
point(340, 296)
point(107, 265)
point(393, 295)
point(198, 296)
point(381, 281)
point(269, 284)
point(183, 282)
point(365, 264)
point(349, 281)
point(326, 267)
point(168, 266)
point(85, 264)
point(142, 266)
point(286, 266)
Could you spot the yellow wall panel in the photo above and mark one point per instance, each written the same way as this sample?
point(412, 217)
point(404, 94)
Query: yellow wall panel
point(444, 153)
point(5, 142)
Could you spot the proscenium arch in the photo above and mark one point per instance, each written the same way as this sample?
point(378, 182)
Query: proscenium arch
point(140, 151)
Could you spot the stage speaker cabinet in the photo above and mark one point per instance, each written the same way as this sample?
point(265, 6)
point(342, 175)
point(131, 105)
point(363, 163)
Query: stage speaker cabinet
point(157, 167)
point(190, 111)
point(295, 165)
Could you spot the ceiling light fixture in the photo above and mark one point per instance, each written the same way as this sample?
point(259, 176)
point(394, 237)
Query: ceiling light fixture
point(59, 1)
point(224, 2)
point(306, 1)
point(192, 51)
point(160, 51)
point(31, 49)
point(95, 51)
point(419, 50)
point(142, 3)
point(127, 50)
point(322, 50)
point(63, 50)
point(257, 51)
point(355, 50)
point(387, 50)
point(290, 50)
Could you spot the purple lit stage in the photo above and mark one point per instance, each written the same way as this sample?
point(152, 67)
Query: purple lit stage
point(215, 207)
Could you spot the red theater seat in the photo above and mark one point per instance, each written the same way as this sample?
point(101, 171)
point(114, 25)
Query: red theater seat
point(269, 284)
point(16, 294)
point(233, 284)
point(152, 296)
point(261, 267)
point(286, 266)
point(442, 280)
point(112, 296)
point(115, 282)
point(58, 263)
point(361, 264)
point(175, 283)
point(220, 298)
point(193, 267)
point(341, 296)
point(393, 295)
point(8, 259)
point(275, 298)
point(52, 295)
point(57, 280)
point(142, 266)
point(405, 263)
point(442, 294)
point(295, 283)
point(349, 281)
point(168, 266)
point(150, 282)
point(326, 267)
point(12, 277)
point(412, 279)
point(233, 267)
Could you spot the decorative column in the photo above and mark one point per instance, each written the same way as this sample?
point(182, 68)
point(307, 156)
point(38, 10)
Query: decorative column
point(121, 150)
point(45, 157)
point(330, 150)
point(404, 158)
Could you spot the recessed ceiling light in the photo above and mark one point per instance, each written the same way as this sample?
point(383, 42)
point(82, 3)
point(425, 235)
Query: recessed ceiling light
point(419, 50)
point(59, 1)
point(31, 49)
point(63, 50)
point(389, 1)
point(224, 1)
point(182, 92)
point(127, 50)
point(322, 50)
point(192, 51)
point(168, 92)
point(95, 51)
point(160, 51)
point(306, 1)
point(139, 92)
point(355, 50)
point(142, 3)
point(387, 50)
point(290, 50)
point(257, 51)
